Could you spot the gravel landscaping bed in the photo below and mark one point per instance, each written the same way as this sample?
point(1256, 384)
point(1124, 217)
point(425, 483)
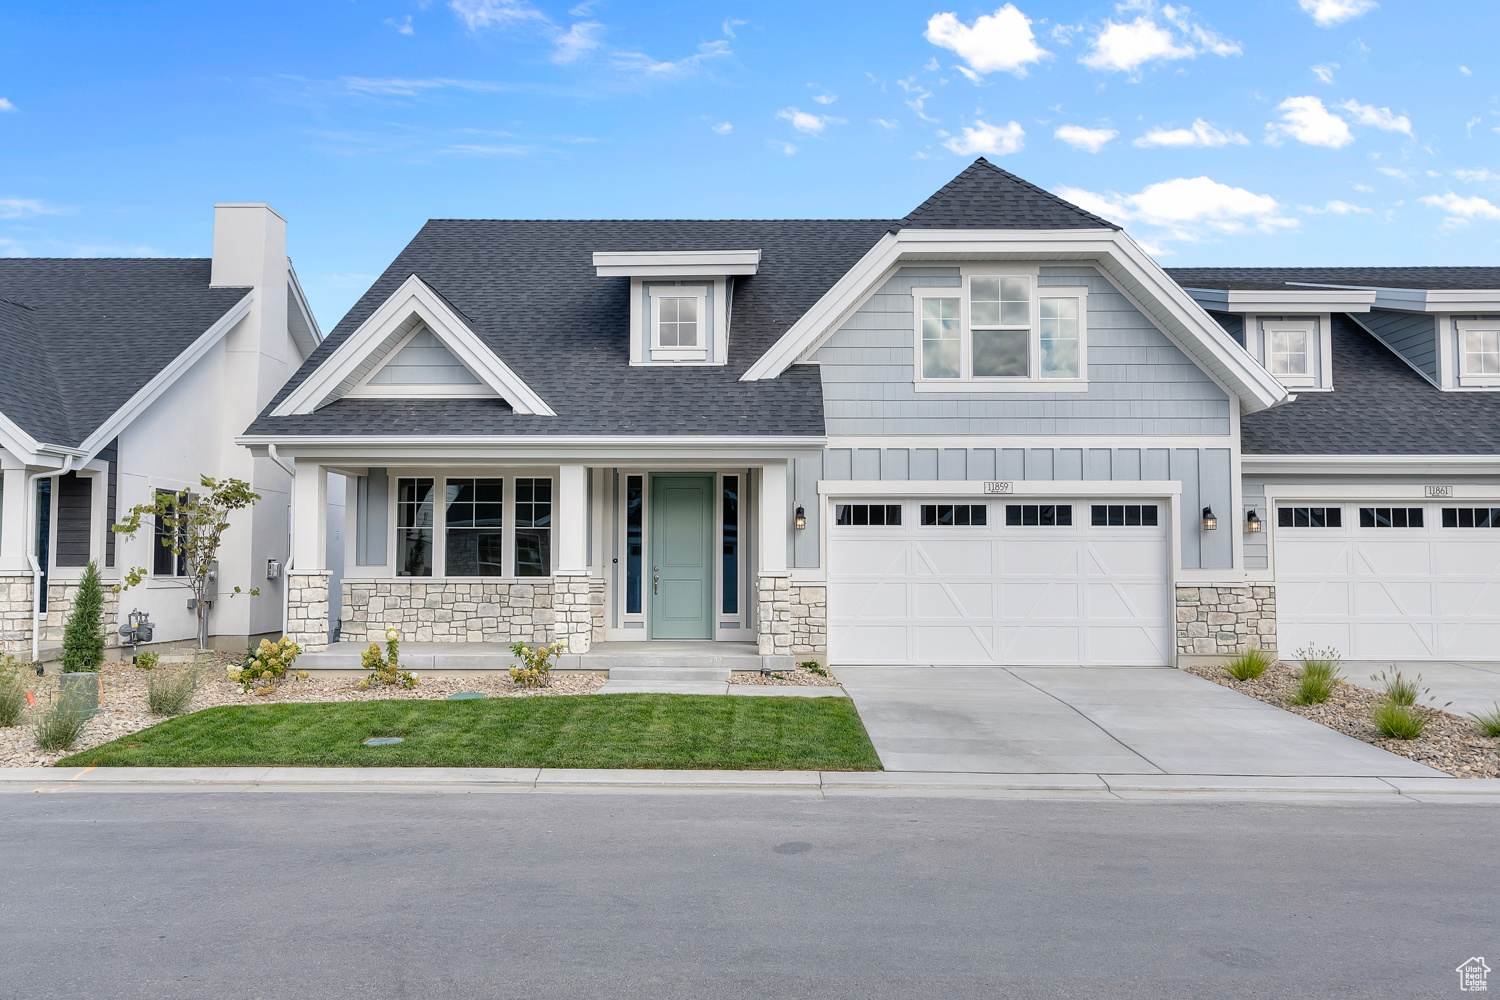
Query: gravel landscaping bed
point(784, 678)
point(125, 712)
point(1450, 743)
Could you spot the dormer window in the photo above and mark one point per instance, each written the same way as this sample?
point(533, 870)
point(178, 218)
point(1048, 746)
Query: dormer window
point(1288, 349)
point(1296, 349)
point(677, 320)
point(1479, 349)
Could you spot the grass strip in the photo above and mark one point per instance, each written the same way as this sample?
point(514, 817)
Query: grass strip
point(616, 731)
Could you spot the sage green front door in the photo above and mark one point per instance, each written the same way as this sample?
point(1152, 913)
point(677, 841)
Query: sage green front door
point(682, 556)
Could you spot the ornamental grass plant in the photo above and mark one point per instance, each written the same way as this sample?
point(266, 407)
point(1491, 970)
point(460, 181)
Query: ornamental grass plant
point(1320, 675)
point(1399, 689)
point(1398, 721)
point(1489, 722)
point(59, 727)
point(1249, 664)
point(12, 691)
point(170, 692)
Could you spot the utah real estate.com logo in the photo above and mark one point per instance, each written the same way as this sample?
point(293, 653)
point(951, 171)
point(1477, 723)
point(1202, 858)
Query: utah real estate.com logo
point(1471, 976)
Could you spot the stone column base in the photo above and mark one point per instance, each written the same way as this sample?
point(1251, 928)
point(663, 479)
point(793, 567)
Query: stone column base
point(1217, 622)
point(572, 602)
point(792, 619)
point(307, 610)
point(15, 613)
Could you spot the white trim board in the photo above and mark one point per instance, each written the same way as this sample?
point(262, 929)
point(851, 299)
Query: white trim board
point(1018, 488)
point(1362, 465)
point(1114, 253)
point(945, 441)
point(414, 300)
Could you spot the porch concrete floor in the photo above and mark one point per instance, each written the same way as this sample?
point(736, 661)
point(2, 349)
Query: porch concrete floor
point(1471, 686)
point(1099, 720)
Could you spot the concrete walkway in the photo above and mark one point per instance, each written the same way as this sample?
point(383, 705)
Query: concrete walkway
point(1101, 720)
point(1471, 687)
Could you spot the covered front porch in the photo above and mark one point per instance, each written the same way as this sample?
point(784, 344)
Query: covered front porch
point(464, 550)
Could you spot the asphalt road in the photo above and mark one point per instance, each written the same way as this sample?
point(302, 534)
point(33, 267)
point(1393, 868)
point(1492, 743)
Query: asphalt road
point(229, 895)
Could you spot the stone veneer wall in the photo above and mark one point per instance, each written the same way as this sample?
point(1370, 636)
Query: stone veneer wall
point(793, 618)
point(307, 610)
point(547, 610)
point(60, 596)
point(15, 613)
point(1222, 621)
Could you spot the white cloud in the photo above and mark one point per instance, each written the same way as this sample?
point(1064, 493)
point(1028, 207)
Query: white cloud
point(1477, 176)
point(1337, 207)
point(639, 62)
point(723, 128)
point(20, 208)
point(1466, 71)
point(1324, 71)
point(478, 14)
point(1189, 209)
point(1462, 211)
point(1090, 140)
point(1327, 13)
point(1160, 33)
point(1201, 133)
point(918, 97)
point(577, 42)
point(1306, 120)
point(1380, 118)
point(886, 123)
point(1396, 172)
point(1001, 41)
point(5, 105)
point(730, 24)
point(785, 148)
point(1364, 188)
point(806, 122)
point(825, 97)
point(403, 27)
point(1000, 140)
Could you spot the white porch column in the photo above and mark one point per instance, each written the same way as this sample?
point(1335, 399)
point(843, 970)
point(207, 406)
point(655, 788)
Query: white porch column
point(571, 523)
point(310, 529)
point(773, 522)
point(13, 519)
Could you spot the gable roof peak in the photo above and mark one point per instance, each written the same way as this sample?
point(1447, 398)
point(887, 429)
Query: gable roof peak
point(983, 196)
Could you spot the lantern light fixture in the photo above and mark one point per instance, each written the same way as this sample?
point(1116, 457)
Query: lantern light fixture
point(1210, 523)
point(800, 521)
point(1252, 523)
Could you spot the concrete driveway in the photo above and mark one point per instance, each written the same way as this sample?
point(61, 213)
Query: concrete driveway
point(1471, 687)
point(1099, 720)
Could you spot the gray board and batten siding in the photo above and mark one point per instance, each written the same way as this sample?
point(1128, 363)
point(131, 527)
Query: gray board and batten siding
point(1140, 384)
point(1411, 335)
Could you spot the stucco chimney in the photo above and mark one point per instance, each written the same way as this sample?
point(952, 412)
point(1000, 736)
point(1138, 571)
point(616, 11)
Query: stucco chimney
point(249, 246)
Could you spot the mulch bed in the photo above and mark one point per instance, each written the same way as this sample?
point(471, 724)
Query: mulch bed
point(1450, 743)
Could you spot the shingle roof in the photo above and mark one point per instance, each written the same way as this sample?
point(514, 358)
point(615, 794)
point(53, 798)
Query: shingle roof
point(1378, 406)
point(986, 197)
point(1364, 277)
point(530, 291)
point(79, 337)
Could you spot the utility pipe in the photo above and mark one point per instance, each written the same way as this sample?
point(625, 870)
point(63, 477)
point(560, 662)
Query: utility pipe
point(31, 554)
point(291, 526)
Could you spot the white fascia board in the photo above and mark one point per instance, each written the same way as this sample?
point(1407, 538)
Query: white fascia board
point(1114, 252)
point(414, 297)
point(153, 390)
point(675, 264)
point(1018, 488)
point(1429, 300)
point(1281, 301)
point(480, 449)
point(299, 299)
point(1345, 465)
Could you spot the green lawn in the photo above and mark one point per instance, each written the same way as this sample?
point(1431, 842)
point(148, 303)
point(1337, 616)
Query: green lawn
point(622, 730)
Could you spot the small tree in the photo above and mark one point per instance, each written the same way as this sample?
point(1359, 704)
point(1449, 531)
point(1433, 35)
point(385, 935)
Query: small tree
point(192, 526)
point(83, 635)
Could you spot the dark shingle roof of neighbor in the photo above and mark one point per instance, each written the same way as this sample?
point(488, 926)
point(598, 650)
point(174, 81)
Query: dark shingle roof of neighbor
point(79, 337)
point(1378, 406)
point(1245, 278)
point(985, 197)
point(529, 289)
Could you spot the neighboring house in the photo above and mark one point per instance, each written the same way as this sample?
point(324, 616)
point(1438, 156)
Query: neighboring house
point(124, 377)
point(994, 431)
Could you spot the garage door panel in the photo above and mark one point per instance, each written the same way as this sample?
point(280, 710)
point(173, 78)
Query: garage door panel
point(999, 593)
point(954, 600)
point(1397, 593)
point(953, 557)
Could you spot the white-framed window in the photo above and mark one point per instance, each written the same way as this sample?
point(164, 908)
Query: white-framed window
point(999, 332)
point(1291, 351)
point(679, 322)
point(1479, 352)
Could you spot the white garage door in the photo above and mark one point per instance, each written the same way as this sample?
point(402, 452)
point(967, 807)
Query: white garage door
point(1412, 583)
point(918, 581)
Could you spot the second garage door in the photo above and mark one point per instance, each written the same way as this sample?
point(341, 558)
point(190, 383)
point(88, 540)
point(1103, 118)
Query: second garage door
point(958, 582)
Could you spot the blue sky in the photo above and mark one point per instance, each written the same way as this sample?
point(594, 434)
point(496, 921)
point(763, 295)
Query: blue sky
point(1273, 132)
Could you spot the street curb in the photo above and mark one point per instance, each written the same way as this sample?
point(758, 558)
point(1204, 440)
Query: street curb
point(1117, 787)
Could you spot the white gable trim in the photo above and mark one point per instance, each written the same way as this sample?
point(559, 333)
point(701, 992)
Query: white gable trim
point(414, 300)
point(301, 323)
point(1159, 297)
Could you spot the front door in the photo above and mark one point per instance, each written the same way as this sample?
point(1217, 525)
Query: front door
point(682, 556)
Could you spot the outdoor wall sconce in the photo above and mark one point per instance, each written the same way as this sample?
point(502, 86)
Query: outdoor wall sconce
point(800, 521)
point(1210, 523)
point(1252, 523)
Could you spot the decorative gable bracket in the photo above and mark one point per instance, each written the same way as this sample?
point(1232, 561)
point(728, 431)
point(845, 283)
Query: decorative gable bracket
point(412, 306)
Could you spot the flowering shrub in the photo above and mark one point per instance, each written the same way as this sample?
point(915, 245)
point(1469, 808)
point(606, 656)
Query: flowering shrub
point(536, 669)
point(386, 669)
point(270, 663)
